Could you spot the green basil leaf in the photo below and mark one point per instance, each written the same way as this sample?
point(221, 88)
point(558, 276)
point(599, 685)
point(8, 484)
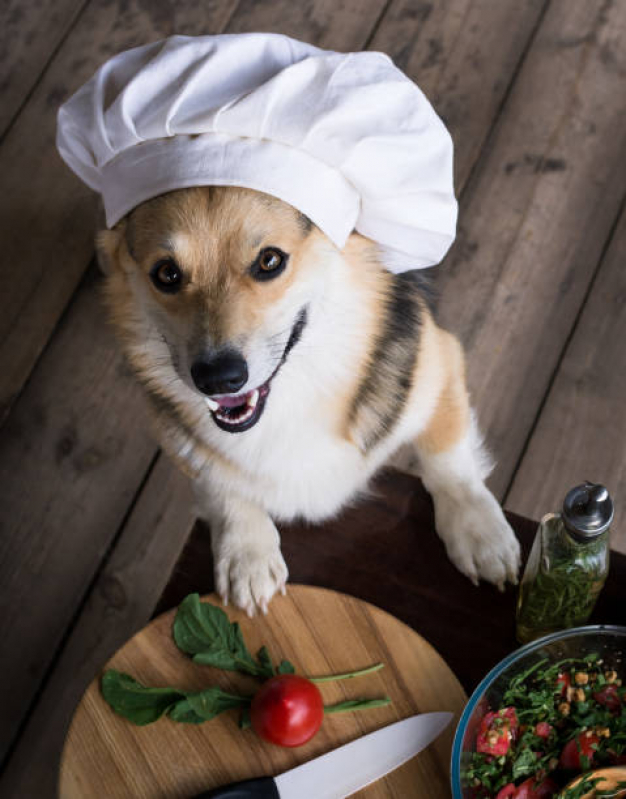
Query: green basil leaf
point(134, 701)
point(285, 667)
point(204, 631)
point(143, 705)
point(213, 701)
point(184, 713)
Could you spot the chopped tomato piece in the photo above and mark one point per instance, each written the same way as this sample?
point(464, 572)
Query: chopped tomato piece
point(496, 732)
point(543, 729)
point(531, 789)
point(508, 790)
point(563, 682)
point(609, 697)
point(582, 745)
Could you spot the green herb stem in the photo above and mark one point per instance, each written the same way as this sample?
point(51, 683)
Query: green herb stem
point(350, 675)
point(356, 704)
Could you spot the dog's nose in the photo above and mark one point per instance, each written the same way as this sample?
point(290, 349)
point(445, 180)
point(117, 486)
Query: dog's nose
point(225, 374)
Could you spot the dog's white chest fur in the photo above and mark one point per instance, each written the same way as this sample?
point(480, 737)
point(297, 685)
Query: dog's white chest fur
point(295, 463)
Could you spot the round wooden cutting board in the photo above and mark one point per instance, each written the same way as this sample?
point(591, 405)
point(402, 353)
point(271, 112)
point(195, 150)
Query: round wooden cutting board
point(320, 632)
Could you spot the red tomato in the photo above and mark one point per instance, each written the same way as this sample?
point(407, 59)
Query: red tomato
point(563, 682)
point(287, 710)
point(582, 744)
point(531, 789)
point(543, 729)
point(496, 732)
point(609, 697)
point(508, 790)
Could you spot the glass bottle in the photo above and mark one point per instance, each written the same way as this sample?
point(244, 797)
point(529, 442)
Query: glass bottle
point(568, 564)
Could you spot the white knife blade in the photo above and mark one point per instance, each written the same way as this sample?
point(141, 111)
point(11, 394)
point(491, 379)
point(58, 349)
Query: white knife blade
point(349, 768)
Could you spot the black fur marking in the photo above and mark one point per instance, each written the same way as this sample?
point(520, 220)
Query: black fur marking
point(296, 332)
point(383, 393)
point(425, 286)
point(306, 226)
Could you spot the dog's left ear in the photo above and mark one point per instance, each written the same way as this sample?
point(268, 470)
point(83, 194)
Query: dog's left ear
point(107, 247)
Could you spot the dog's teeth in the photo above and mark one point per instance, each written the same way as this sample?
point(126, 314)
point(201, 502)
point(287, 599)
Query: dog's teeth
point(214, 406)
point(254, 398)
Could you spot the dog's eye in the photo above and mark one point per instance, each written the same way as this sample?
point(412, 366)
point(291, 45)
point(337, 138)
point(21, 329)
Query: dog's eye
point(270, 262)
point(166, 275)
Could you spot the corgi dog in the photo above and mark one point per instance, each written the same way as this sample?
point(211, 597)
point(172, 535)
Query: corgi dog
point(283, 373)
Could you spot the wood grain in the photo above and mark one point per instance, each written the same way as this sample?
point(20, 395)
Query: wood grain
point(463, 55)
point(321, 632)
point(535, 218)
point(581, 433)
point(30, 32)
point(66, 467)
point(48, 216)
point(119, 603)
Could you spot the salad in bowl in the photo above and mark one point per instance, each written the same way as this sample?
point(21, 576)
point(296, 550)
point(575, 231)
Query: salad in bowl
point(548, 713)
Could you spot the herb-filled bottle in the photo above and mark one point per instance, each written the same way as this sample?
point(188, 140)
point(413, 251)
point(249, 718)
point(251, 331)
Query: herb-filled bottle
point(568, 564)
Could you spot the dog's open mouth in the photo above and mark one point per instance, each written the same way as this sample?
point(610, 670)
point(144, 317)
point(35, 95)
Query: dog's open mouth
point(236, 414)
point(239, 413)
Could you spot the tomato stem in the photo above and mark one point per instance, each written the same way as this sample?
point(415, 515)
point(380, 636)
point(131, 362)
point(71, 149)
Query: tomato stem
point(356, 704)
point(349, 675)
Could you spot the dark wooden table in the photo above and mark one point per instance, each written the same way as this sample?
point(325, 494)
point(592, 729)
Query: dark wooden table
point(386, 551)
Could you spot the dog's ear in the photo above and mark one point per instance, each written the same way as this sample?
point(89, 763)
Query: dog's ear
point(108, 246)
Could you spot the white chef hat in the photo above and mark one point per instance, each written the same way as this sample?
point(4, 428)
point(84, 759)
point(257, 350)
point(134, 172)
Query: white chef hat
point(346, 138)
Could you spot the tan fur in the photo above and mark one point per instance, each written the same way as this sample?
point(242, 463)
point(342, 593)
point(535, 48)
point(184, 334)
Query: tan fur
point(451, 418)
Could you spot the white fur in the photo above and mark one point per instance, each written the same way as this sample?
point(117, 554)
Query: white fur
point(470, 522)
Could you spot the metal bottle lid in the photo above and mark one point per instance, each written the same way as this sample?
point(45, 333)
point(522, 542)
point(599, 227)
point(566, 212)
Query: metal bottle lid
point(587, 511)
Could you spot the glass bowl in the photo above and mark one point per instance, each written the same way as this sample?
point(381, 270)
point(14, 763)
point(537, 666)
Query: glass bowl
point(609, 641)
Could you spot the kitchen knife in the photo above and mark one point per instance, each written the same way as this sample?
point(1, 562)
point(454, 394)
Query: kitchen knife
point(343, 771)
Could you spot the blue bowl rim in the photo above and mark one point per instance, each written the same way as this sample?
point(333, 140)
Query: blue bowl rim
point(455, 759)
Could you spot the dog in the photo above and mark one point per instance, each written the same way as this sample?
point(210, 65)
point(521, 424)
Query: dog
point(283, 373)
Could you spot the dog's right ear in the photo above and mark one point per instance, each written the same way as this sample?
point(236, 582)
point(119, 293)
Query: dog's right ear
point(108, 246)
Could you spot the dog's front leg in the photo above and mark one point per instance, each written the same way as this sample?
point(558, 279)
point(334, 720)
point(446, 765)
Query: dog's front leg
point(468, 518)
point(453, 466)
point(248, 565)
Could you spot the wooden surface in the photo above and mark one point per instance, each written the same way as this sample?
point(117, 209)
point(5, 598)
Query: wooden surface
point(585, 405)
point(321, 632)
point(517, 276)
point(533, 95)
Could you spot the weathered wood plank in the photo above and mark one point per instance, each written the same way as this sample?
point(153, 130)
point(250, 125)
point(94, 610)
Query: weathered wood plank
point(342, 26)
point(581, 433)
point(69, 469)
point(48, 216)
point(535, 218)
point(463, 55)
point(119, 604)
point(30, 32)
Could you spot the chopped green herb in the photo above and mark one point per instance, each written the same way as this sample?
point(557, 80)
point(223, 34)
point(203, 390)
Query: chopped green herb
point(563, 721)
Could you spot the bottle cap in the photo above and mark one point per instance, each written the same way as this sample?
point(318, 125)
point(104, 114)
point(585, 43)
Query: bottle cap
point(587, 510)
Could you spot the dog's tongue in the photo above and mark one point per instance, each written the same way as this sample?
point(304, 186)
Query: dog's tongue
point(233, 402)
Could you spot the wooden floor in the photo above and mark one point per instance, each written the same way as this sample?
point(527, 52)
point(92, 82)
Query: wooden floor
point(534, 93)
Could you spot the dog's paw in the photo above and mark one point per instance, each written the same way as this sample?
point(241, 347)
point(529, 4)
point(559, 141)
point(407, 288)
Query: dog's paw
point(250, 574)
point(478, 538)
